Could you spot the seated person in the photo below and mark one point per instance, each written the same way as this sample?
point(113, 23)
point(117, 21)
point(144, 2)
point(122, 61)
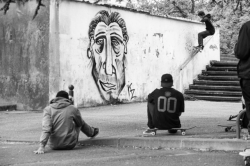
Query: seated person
point(165, 106)
point(61, 124)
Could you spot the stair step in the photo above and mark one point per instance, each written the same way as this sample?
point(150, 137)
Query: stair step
point(222, 88)
point(213, 68)
point(215, 93)
point(229, 59)
point(227, 56)
point(222, 78)
point(230, 73)
point(219, 63)
point(218, 98)
point(207, 82)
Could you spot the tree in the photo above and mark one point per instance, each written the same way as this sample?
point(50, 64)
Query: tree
point(228, 15)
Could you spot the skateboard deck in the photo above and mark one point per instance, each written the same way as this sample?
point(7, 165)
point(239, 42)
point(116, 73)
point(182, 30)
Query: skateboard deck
point(228, 127)
point(231, 117)
point(182, 130)
point(246, 158)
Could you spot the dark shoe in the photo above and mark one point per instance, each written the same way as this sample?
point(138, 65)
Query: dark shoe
point(96, 132)
point(199, 47)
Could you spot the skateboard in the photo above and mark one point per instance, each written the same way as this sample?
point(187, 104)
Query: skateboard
point(228, 128)
point(182, 130)
point(246, 158)
point(231, 117)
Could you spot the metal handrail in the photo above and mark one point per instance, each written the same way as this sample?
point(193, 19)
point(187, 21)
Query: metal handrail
point(238, 128)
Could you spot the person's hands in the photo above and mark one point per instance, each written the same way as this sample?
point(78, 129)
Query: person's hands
point(40, 150)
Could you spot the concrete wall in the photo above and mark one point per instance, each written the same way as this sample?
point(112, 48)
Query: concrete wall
point(24, 47)
point(110, 65)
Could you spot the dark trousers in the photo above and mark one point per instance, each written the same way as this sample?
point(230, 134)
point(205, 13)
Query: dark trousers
point(150, 111)
point(201, 36)
point(245, 87)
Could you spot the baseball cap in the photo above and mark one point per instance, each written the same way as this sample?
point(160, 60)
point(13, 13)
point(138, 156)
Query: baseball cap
point(63, 94)
point(201, 13)
point(166, 78)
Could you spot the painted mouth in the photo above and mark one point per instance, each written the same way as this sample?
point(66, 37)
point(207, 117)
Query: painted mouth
point(107, 86)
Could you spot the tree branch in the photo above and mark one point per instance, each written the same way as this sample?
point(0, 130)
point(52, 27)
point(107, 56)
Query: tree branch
point(184, 15)
point(6, 6)
point(97, 1)
point(37, 8)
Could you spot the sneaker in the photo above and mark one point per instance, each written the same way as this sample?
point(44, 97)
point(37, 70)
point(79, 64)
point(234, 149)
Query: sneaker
point(245, 153)
point(149, 132)
point(96, 132)
point(199, 47)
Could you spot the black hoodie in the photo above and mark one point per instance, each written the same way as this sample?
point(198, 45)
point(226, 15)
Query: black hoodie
point(209, 25)
point(242, 51)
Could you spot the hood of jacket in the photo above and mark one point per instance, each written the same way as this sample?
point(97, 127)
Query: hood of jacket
point(208, 16)
point(60, 102)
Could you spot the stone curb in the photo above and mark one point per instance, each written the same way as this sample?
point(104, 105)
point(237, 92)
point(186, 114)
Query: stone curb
point(158, 143)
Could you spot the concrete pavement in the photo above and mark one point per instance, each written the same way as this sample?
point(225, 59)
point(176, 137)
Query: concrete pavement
point(122, 125)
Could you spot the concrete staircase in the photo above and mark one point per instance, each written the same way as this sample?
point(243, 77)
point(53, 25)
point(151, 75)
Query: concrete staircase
point(219, 82)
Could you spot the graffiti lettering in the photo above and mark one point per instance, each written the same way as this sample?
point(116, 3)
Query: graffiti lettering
point(158, 34)
point(157, 53)
point(131, 92)
point(213, 47)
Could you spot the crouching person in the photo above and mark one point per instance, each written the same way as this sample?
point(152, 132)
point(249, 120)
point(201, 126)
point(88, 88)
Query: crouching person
point(61, 125)
point(165, 106)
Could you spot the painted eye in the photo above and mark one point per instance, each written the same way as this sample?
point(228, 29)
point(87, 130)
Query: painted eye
point(99, 41)
point(115, 42)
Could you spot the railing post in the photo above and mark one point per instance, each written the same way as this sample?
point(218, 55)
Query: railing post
point(71, 93)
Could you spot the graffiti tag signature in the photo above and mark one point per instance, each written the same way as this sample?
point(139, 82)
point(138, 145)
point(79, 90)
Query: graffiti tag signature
point(131, 92)
point(213, 47)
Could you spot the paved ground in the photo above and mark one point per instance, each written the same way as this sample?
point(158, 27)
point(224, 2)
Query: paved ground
point(122, 126)
point(22, 155)
point(127, 120)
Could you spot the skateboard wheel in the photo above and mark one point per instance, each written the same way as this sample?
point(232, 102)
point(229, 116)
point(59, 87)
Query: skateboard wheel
point(226, 129)
point(153, 133)
point(183, 133)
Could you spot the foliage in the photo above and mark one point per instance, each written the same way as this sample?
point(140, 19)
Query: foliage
point(228, 15)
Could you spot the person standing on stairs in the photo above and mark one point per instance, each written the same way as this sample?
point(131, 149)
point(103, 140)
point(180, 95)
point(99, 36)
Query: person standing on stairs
point(210, 30)
point(242, 52)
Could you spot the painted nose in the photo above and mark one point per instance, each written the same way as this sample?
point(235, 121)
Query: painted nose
point(109, 58)
point(105, 68)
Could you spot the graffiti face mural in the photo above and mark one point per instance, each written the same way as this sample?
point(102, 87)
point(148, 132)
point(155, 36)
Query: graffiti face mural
point(107, 49)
